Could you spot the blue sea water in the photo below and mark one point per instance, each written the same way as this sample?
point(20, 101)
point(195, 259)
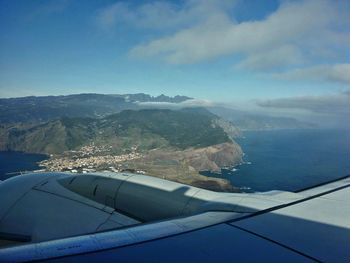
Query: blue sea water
point(12, 163)
point(290, 159)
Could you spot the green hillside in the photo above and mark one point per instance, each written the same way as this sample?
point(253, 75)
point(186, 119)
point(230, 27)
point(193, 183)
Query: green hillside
point(146, 129)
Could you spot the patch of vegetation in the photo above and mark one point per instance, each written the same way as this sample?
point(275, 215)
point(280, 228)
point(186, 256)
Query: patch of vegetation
point(146, 129)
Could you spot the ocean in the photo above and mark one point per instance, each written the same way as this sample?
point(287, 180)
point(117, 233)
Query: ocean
point(12, 163)
point(289, 159)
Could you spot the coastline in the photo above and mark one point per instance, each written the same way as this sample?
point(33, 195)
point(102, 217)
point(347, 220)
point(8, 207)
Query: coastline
point(17, 162)
point(180, 166)
point(289, 159)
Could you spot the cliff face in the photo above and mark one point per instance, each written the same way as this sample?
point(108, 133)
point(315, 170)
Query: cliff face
point(184, 166)
point(213, 158)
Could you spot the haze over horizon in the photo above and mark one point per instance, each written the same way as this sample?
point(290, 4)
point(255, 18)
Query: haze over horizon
point(289, 57)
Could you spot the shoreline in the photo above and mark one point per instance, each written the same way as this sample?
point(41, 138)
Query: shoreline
point(175, 165)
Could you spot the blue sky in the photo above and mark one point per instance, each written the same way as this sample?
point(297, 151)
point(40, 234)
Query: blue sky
point(218, 50)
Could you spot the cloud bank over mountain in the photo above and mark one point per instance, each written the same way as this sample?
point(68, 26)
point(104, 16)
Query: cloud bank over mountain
point(191, 103)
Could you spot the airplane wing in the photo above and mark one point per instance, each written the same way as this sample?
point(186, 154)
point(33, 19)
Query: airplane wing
point(156, 220)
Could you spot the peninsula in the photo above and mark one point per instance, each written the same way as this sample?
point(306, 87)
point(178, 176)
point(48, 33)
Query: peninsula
point(171, 144)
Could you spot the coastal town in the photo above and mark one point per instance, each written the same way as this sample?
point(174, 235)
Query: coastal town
point(91, 158)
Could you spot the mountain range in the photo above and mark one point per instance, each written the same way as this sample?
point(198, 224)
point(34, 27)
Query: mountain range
point(147, 129)
point(42, 109)
point(45, 108)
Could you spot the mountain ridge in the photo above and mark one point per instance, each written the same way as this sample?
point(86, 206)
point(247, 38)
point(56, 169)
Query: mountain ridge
point(43, 108)
point(165, 128)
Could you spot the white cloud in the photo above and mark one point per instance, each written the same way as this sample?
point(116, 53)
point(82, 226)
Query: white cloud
point(336, 73)
point(282, 56)
point(293, 29)
point(160, 14)
point(191, 103)
point(336, 104)
point(293, 42)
